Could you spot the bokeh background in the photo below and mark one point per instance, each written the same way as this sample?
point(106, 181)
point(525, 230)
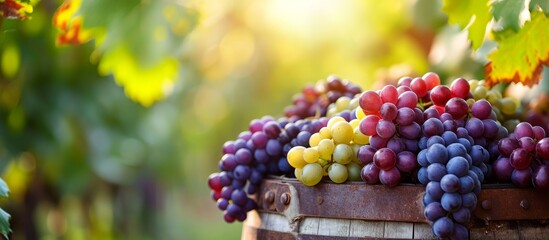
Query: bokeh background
point(85, 160)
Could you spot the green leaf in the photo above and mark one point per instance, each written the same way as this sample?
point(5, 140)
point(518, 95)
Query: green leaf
point(543, 4)
point(4, 223)
point(472, 15)
point(4, 190)
point(507, 12)
point(519, 57)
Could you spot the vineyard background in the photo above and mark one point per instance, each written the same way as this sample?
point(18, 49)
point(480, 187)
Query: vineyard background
point(114, 135)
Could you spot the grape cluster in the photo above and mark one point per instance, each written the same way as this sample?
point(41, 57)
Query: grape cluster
point(393, 120)
point(258, 152)
point(313, 101)
point(332, 152)
point(524, 157)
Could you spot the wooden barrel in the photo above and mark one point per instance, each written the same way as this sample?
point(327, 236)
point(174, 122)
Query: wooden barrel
point(290, 210)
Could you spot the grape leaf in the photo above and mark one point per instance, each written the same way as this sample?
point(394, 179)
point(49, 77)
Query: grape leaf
point(136, 42)
point(4, 223)
point(70, 25)
point(472, 15)
point(4, 190)
point(519, 57)
point(543, 4)
point(507, 12)
point(14, 9)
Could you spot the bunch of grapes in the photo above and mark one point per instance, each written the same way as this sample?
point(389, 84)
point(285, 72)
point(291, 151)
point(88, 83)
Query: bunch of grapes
point(524, 157)
point(332, 152)
point(393, 119)
point(258, 152)
point(313, 101)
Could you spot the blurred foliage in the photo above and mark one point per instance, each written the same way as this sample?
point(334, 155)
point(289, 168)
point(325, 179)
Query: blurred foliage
point(85, 161)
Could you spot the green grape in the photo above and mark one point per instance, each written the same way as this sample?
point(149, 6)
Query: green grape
point(508, 106)
point(492, 96)
point(325, 133)
point(342, 103)
point(359, 113)
point(295, 157)
point(325, 148)
point(354, 171)
point(356, 148)
point(359, 137)
point(343, 154)
point(310, 155)
point(338, 173)
point(342, 132)
point(314, 139)
point(473, 84)
point(479, 92)
point(311, 174)
point(297, 173)
point(335, 120)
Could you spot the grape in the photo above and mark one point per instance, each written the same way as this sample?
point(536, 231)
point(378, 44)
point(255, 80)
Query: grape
point(407, 99)
point(506, 146)
point(368, 125)
point(443, 227)
point(522, 177)
point(366, 154)
point(325, 148)
point(527, 143)
point(463, 215)
point(405, 116)
point(404, 81)
point(370, 102)
point(239, 197)
point(469, 200)
point(434, 190)
point(242, 172)
point(431, 80)
point(437, 153)
point(295, 157)
point(540, 177)
point(432, 126)
point(539, 133)
point(388, 111)
point(419, 87)
point(520, 159)
point(460, 232)
point(467, 184)
point(342, 132)
point(354, 171)
point(389, 178)
point(475, 127)
point(385, 129)
point(311, 155)
point(456, 150)
point(389, 94)
point(338, 173)
point(343, 154)
point(451, 202)
point(311, 174)
point(440, 95)
point(449, 137)
point(434, 211)
point(436, 171)
point(385, 159)
point(481, 109)
point(396, 144)
point(378, 142)
point(406, 162)
point(411, 131)
point(431, 112)
point(370, 173)
point(542, 149)
point(460, 88)
point(422, 158)
point(523, 129)
point(450, 183)
point(491, 128)
point(456, 107)
point(435, 140)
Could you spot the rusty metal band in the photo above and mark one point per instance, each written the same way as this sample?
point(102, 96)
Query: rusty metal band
point(357, 200)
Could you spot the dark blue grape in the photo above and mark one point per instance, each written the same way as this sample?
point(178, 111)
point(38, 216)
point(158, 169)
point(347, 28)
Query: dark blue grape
point(273, 148)
point(449, 138)
point(450, 183)
point(443, 227)
point(436, 171)
point(434, 211)
point(239, 197)
point(435, 140)
point(434, 190)
point(222, 204)
point(458, 166)
point(456, 149)
point(463, 215)
point(437, 153)
point(451, 202)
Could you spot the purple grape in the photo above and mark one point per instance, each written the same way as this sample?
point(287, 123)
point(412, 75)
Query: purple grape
point(228, 162)
point(522, 177)
point(469, 200)
point(435, 140)
point(506, 146)
point(451, 202)
point(475, 127)
point(460, 232)
point(228, 147)
point(466, 184)
point(385, 128)
point(540, 178)
point(239, 197)
point(436, 171)
point(433, 211)
point(222, 204)
point(491, 128)
point(405, 116)
point(242, 172)
point(370, 173)
point(437, 154)
point(523, 129)
point(406, 162)
point(542, 149)
point(434, 190)
point(272, 129)
point(481, 109)
point(411, 131)
point(385, 159)
point(520, 159)
point(378, 142)
point(458, 166)
point(450, 183)
point(539, 133)
point(243, 156)
point(389, 178)
point(261, 156)
point(463, 215)
point(450, 125)
point(396, 144)
point(432, 126)
point(443, 227)
point(233, 210)
point(527, 143)
point(457, 107)
point(366, 154)
point(449, 138)
point(388, 111)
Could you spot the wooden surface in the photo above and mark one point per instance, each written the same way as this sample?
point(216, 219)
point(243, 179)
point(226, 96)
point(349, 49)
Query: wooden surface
point(264, 225)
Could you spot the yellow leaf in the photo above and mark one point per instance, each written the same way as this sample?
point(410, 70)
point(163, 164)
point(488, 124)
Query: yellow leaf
point(519, 57)
point(70, 25)
point(14, 9)
point(142, 84)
